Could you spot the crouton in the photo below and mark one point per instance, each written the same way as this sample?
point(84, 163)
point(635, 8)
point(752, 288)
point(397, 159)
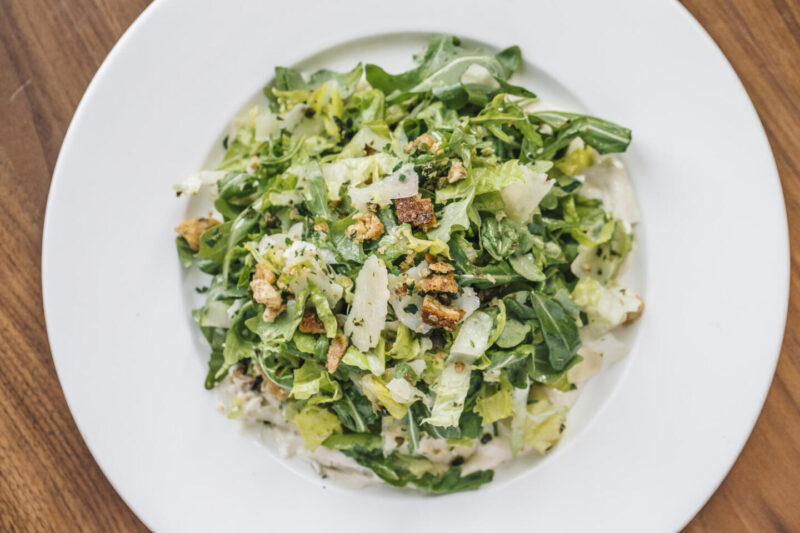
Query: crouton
point(438, 283)
point(424, 143)
point(457, 172)
point(336, 351)
point(416, 210)
point(194, 227)
point(311, 322)
point(440, 267)
point(438, 315)
point(367, 227)
point(264, 292)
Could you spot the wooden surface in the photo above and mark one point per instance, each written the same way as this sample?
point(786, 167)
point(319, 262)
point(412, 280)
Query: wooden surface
point(49, 51)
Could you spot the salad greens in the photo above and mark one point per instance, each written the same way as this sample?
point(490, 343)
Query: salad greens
point(405, 263)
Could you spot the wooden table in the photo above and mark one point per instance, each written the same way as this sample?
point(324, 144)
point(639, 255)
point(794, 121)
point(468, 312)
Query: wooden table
point(49, 51)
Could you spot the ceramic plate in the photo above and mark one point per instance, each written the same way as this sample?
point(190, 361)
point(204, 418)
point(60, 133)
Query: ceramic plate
point(648, 441)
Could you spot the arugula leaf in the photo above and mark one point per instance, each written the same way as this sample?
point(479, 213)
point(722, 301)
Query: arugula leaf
point(413, 431)
point(452, 481)
point(491, 275)
point(349, 441)
point(354, 409)
point(185, 252)
point(440, 71)
point(560, 330)
point(605, 137)
point(287, 79)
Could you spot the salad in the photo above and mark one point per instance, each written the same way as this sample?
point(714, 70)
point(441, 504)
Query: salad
point(411, 275)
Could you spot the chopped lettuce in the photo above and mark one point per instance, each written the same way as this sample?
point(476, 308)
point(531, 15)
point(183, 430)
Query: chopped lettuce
point(316, 424)
point(401, 333)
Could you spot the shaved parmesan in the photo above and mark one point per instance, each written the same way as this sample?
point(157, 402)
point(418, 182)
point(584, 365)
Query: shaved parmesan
point(522, 199)
point(403, 183)
point(367, 315)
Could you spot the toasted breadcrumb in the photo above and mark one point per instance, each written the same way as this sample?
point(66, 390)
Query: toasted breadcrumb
point(438, 283)
point(368, 227)
point(424, 143)
point(192, 228)
point(415, 210)
point(439, 315)
point(441, 267)
point(457, 172)
point(264, 292)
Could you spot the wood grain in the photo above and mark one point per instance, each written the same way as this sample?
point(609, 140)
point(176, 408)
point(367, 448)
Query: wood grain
point(49, 51)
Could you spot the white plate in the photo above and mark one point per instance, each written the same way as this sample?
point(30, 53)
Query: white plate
point(649, 441)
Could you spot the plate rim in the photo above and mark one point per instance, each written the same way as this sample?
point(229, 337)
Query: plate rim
point(152, 9)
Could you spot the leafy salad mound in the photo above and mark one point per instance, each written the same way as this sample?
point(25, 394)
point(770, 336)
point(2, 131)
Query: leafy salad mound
point(406, 268)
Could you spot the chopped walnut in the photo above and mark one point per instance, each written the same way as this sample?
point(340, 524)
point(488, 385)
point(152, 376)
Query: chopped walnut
point(311, 322)
point(336, 351)
point(438, 283)
point(416, 210)
point(194, 227)
point(633, 315)
point(368, 227)
point(459, 366)
point(424, 143)
point(264, 292)
point(322, 227)
point(457, 172)
point(439, 315)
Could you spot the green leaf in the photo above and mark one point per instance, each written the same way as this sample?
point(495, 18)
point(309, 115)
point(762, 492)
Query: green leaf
point(513, 333)
point(320, 303)
point(542, 371)
point(453, 217)
point(412, 426)
point(236, 348)
point(527, 266)
point(287, 79)
point(346, 249)
point(316, 192)
point(283, 328)
point(366, 441)
point(185, 252)
point(440, 71)
point(605, 137)
point(496, 406)
point(313, 383)
point(355, 410)
point(501, 238)
point(491, 275)
point(452, 481)
point(559, 328)
point(316, 425)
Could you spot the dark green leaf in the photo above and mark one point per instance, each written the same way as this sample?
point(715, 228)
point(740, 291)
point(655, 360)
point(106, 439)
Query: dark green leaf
point(452, 481)
point(559, 328)
point(185, 252)
point(287, 79)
